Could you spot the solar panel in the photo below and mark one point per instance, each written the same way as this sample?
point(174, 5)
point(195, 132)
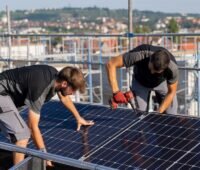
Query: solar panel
point(156, 142)
point(59, 128)
point(122, 138)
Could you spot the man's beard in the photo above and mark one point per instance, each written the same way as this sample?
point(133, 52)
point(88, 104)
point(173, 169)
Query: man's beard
point(61, 91)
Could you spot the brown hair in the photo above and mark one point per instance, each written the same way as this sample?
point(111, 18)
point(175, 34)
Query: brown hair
point(74, 78)
point(160, 60)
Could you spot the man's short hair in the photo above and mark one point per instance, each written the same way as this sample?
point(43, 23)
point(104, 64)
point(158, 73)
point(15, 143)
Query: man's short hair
point(74, 78)
point(160, 60)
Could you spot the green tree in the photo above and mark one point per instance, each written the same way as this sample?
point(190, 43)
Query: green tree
point(142, 29)
point(172, 27)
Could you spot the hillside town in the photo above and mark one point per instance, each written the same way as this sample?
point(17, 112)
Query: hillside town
point(92, 21)
point(33, 22)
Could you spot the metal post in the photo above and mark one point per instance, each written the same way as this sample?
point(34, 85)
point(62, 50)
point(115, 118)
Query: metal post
point(9, 37)
point(101, 70)
point(130, 21)
point(77, 94)
point(50, 50)
point(30, 163)
point(198, 55)
point(130, 32)
point(75, 52)
point(90, 71)
point(28, 52)
point(121, 70)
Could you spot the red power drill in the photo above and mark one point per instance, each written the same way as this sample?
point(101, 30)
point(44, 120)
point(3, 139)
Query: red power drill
point(130, 97)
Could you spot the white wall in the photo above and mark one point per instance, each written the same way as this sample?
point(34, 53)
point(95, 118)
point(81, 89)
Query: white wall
point(21, 52)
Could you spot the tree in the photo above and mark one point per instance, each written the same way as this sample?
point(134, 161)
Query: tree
point(172, 27)
point(141, 29)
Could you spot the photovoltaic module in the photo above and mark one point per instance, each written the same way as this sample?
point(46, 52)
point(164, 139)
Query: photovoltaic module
point(121, 138)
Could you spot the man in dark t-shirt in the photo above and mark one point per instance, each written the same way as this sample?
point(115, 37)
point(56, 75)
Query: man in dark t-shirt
point(154, 69)
point(33, 86)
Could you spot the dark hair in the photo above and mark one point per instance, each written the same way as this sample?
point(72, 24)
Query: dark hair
point(160, 60)
point(74, 78)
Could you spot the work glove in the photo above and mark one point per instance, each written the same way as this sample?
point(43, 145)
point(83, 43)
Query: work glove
point(119, 97)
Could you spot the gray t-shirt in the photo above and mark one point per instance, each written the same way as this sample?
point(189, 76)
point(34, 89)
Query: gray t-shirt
point(139, 58)
point(31, 85)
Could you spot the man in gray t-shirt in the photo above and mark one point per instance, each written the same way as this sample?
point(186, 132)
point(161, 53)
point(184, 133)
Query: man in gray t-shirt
point(33, 86)
point(155, 68)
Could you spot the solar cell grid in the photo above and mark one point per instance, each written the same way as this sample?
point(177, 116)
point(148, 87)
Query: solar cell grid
point(157, 141)
point(122, 139)
point(60, 134)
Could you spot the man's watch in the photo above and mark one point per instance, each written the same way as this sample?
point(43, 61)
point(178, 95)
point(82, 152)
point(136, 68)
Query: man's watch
point(43, 150)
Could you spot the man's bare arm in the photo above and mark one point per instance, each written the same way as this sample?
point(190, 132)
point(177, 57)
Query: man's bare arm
point(67, 102)
point(112, 65)
point(33, 123)
point(169, 97)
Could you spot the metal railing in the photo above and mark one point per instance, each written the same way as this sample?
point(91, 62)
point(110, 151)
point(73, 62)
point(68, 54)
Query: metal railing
point(47, 156)
point(90, 52)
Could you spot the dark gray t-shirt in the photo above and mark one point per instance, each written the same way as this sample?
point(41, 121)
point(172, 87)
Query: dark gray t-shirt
point(31, 85)
point(139, 58)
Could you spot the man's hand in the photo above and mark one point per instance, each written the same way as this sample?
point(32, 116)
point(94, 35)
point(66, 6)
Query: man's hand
point(119, 97)
point(83, 122)
point(67, 102)
point(49, 163)
point(169, 97)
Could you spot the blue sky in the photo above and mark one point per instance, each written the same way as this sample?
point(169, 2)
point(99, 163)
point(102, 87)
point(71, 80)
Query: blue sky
point(181, 6)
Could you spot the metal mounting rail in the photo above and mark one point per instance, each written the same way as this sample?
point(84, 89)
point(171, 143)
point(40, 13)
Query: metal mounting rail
point(55, 158)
